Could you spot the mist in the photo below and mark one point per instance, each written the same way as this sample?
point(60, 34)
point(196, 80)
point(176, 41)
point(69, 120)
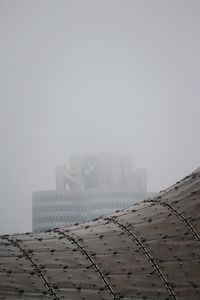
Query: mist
point(87, 77)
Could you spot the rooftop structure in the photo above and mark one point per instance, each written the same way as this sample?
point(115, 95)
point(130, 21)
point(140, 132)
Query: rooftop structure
point(148, 251)
point(100, 171)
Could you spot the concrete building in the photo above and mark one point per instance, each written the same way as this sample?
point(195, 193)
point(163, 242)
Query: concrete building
point(93, 186)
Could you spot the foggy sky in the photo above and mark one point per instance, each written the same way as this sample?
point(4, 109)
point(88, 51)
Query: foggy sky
point(88, 76)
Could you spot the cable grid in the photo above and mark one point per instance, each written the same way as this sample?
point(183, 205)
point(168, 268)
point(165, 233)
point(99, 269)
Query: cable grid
point(148, 255)
point(94, 265)
point(48, 285)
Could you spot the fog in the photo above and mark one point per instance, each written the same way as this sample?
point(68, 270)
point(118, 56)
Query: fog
point(105, 76)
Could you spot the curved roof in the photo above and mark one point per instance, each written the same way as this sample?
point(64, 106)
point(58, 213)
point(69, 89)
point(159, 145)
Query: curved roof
point(149, 251)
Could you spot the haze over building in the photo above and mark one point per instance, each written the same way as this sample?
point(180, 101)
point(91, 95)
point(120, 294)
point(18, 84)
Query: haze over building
point(93, 185)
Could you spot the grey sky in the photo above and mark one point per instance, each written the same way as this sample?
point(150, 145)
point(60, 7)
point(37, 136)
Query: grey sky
point(93, 76)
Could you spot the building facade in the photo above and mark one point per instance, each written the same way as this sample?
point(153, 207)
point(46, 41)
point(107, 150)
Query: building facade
point(53, 209)
point(94, 186)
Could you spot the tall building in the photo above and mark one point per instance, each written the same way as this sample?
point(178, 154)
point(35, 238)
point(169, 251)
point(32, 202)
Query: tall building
point(90, 187)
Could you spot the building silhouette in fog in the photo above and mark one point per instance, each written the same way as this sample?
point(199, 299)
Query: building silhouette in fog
point(91, 187)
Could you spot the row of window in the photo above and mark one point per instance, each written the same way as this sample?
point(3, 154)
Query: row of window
point(59, 208)
point(53, 198)
point(110, 195)
point(84, 197)
point(109, 205)
point(81, 208)
point(59, 219)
